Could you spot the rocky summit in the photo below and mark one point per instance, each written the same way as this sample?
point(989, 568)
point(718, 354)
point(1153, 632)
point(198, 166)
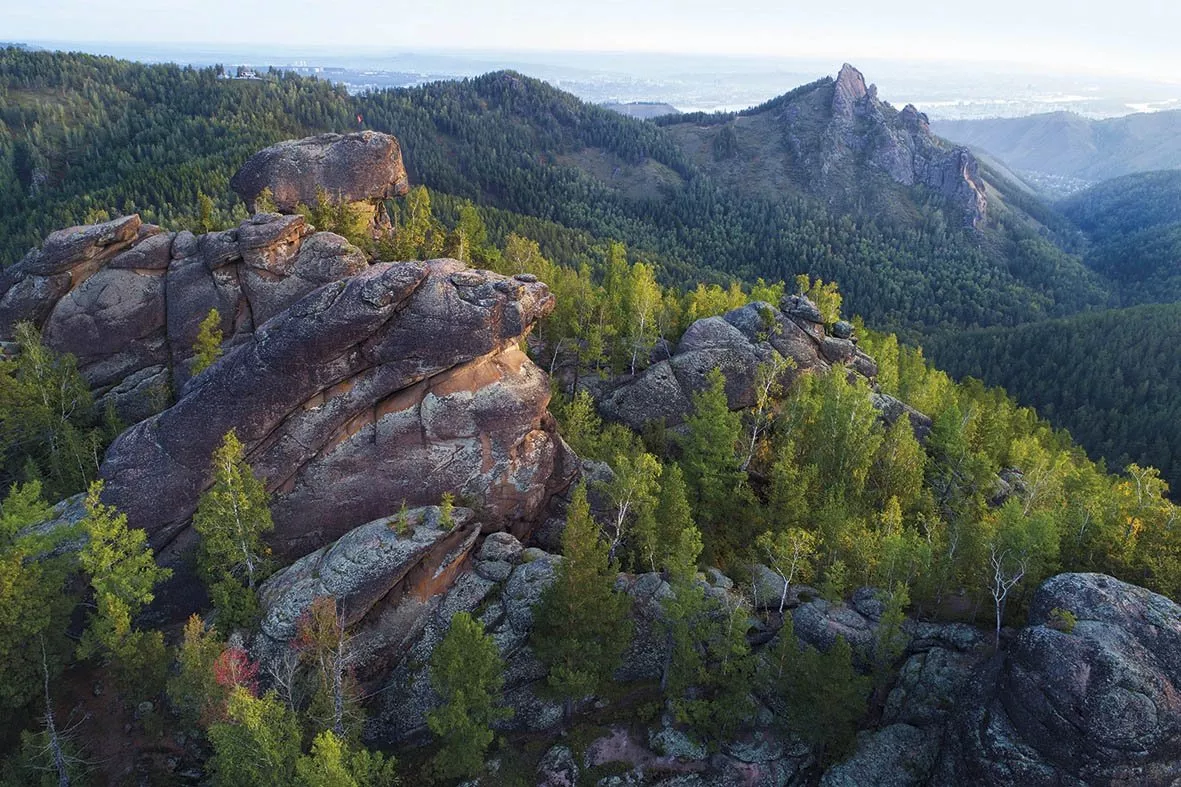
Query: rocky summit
point(402, 434)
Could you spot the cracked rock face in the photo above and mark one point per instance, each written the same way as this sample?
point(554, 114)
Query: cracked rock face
point(737, 342)
point(127, 298)
point(1099, 705)
point(399, 383)
point(901, 145)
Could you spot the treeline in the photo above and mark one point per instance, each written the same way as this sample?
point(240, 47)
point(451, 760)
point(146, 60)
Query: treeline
point(1110, 378)
point(85, 137)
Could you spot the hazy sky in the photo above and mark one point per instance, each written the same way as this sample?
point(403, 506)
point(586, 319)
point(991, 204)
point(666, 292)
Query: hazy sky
point(1128, 36)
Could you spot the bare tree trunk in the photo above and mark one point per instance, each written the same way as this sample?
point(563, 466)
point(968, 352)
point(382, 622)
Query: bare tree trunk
point(59, 757)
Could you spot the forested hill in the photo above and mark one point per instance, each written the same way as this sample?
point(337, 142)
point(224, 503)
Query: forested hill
point(1134, 225)
point(84, 137)
point(1069, 145)
point(1111, 378)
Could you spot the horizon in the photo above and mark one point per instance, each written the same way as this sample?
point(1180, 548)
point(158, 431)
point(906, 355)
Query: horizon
point(1064, 37)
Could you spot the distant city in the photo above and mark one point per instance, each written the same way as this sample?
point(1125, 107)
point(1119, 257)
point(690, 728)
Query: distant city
point(688, 83)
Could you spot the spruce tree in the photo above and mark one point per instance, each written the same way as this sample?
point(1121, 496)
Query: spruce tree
point(123, 573)
point(207, 347)
point(581, 625)
point(231, 519)
point(467, 672)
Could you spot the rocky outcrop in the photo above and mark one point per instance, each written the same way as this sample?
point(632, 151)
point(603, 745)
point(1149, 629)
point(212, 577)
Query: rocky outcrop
point(399, 383)
point(378, 573)
point(737, 343)
point(361, 169)
point(864, 130)
point(1099, 704)
point(127, 298)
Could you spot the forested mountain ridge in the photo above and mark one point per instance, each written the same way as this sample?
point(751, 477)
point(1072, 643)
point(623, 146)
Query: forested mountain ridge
point(85, 135)
point(1069, 145)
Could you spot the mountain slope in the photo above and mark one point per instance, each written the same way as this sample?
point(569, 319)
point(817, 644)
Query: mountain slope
point(1134, 225)
point(1110, 378)
point(1069, 145)
point(92, 135)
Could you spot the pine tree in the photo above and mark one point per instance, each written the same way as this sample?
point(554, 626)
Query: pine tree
point(34, 605)
point(709, 460)
point(207, 347)
point(467, 672)
point(824, 695)
point(122, 572)
point(48, 425)
point(581, 625)
point(668, 539)
point(231, 519)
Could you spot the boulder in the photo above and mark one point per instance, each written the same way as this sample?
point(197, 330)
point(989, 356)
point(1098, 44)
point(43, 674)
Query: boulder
point(367, 566)
point(737, 343)
point(361, 167)
point(1097, 705)
point(895, 756)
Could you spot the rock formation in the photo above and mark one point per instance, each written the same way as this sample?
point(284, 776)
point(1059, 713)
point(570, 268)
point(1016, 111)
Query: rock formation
point(126, 298)
point(361, 170)
point(859, 129)
point(737, 343)
point(1098, 704)
point(399, 383)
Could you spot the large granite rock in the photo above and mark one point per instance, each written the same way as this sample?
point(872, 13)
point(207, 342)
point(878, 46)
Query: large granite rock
point(737, 343)
point(127, 299)
point(370, 571)
point(361, 169)
point(1098, 705)
point(399, 383)
point(901, 145)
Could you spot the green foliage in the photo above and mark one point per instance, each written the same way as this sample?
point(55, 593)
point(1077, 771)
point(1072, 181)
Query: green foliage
point(710, 673)
point(333, 763)
point(1063, 620)
point(231, 518)
point(207, 347)
point(49, 430)
point(447, 511)
point(581, 624)
point(468, 674)
point(34, 604)
point(709, 461)
point(256, 745)
point(123, 573)
point(668, 539)
point(890, 641)
point(824, 695)
point(1080, 375)
point(193, 689)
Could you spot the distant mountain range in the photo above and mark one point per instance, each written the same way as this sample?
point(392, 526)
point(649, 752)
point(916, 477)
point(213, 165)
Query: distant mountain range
point(1066, 145)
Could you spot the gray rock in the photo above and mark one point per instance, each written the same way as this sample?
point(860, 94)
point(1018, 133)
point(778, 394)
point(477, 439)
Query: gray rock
point(895, 756)
point(1098, 705)
point(736, 343)
point(345, 167)
point(675, 743)
point(558, 768)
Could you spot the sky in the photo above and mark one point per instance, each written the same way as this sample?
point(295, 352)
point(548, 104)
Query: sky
point(1128, 37)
